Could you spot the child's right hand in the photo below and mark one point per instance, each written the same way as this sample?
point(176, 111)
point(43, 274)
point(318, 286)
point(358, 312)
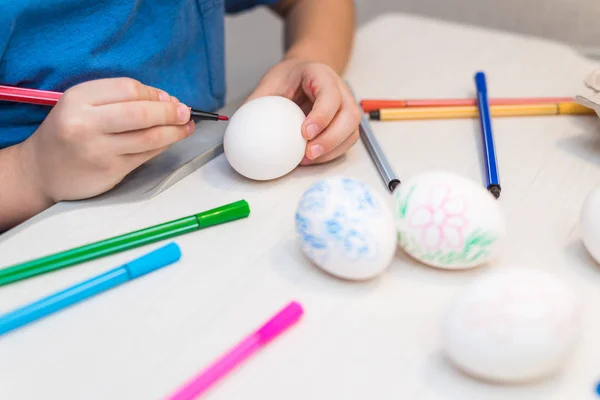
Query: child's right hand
point(97, 133)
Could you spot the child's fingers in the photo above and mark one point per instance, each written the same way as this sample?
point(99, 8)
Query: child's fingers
point(136, 115)
point(338, 151)
point(133, 161)
point(327, 97)
point(115, 90)
point(145, 140)
point(343, 126)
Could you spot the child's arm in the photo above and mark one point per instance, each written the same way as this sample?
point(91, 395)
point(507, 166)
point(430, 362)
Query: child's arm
point(20, 196)
point(96, 134)
point(319, 30)
point(319, 35)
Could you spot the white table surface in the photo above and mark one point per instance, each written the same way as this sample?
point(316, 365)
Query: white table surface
point(370, 340)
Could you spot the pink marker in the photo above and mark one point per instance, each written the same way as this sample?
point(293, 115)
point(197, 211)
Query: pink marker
point(265, 334)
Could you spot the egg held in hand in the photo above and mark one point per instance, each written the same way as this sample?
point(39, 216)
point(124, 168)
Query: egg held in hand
point(346, 228)
point(263, 139)
point(512, 326)
point(447, 221)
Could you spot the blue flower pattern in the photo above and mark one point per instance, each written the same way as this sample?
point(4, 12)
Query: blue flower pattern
point(315, 246)
point(315, 197)
point(326, 228)
point(333, 227)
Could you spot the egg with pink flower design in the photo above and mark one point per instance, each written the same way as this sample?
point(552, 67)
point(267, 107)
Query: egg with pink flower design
point(448, 221)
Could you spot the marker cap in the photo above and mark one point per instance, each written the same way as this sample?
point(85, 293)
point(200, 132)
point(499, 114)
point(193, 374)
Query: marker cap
point(286, 317)
point(480, 82)
point(228, 212)
point(152, 261)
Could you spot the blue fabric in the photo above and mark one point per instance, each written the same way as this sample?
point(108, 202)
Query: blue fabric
point(175, 45)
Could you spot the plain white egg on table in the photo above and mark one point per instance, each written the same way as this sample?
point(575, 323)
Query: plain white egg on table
point(447, 221)
point(346, 228)
point(263, 139)
point(512, 326)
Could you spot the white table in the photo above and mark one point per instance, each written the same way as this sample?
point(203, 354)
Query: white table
point(372, 340)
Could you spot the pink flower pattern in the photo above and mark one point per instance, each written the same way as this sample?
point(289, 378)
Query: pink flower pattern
point(442, 220)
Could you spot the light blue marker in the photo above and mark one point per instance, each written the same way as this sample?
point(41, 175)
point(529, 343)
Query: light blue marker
point(150, 262)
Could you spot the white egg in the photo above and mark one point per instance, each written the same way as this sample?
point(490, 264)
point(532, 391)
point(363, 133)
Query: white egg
point(512, 326)
point(263, 139)
point(448, 221)
point(589, 223)
point(346, 228)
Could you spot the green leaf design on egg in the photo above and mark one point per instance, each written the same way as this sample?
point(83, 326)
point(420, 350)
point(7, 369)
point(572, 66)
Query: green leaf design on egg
point(476, 247)
point(404, 203)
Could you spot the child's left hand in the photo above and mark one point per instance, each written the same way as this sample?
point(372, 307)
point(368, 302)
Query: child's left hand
point(333, 116)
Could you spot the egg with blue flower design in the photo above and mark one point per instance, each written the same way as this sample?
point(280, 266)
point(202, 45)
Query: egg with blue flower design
point(346, 228)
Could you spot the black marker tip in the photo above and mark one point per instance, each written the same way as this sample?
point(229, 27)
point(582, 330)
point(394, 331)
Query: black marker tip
point(375, 115)
point(494, 190)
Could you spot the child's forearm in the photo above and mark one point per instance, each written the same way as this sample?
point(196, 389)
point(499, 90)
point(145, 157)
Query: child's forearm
point(319, 30)
point(19, 199)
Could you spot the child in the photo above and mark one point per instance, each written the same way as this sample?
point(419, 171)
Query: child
point(130, 69)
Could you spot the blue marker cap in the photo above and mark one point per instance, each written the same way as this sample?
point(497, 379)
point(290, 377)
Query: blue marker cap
point(480, 82)
point(152, 261)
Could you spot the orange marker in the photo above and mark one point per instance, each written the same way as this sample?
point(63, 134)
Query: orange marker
point(520, 110)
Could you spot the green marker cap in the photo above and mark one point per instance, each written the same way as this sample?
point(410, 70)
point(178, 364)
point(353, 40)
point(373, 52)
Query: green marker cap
point(228, 212)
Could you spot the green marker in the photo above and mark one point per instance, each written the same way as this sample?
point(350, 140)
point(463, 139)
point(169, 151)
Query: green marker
point(103, 248)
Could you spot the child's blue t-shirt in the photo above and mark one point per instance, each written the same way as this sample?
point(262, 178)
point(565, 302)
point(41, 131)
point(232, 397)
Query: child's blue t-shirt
point(174, 45)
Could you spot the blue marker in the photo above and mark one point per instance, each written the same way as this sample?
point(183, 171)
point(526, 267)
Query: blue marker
point(489, 153)
point(148, 263)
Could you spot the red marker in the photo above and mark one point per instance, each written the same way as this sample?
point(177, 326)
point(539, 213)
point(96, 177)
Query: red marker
point(49, 98)
point(369, 105)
